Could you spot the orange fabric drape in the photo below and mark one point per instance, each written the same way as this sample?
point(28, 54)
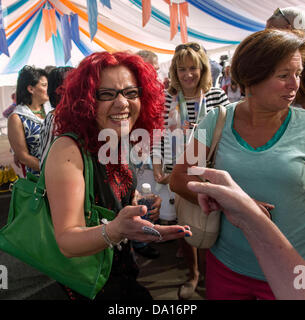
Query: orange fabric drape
point(24, 16)
point(173, 17)
point(146, 11)
point(97, 41)
point(115, 34)
point(46, 24)
point(174, 21)
point(184, 12)
point(53, 21)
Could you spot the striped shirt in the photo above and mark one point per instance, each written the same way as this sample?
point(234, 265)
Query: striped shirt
point(214, 97)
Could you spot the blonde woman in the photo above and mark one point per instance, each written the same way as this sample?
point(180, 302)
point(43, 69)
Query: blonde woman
point(189, 98)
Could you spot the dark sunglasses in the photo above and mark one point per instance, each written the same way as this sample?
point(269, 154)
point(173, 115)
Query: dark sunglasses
point(111, 94)
point(194, 46)
point(279, 12)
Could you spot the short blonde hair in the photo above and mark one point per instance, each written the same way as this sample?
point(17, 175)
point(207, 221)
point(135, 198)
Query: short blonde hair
point(200, 60)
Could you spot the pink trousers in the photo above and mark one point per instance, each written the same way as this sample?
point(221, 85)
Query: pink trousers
point(224, 284)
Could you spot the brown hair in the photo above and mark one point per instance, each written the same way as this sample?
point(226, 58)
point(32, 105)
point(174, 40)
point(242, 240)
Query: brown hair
point(199, 58)
point(257, 56)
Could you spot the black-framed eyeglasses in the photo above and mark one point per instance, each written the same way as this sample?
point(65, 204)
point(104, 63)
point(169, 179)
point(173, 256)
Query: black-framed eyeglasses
point(194, 46)
point(279, 12)
point(106, 94)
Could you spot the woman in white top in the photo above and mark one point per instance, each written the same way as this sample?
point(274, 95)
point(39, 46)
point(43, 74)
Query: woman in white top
point(24, 124)
point(188, 99)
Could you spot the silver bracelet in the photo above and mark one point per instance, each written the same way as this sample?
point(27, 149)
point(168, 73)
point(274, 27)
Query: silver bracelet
point(110, 243)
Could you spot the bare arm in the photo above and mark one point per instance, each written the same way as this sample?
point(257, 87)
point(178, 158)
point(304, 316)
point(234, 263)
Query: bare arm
point(18, 143)
point(180, 175)
point(274, 252)
point(66, 191)
point(276, 256)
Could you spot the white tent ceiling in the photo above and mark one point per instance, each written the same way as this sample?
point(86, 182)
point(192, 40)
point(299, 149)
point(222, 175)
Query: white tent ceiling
point(125, 20)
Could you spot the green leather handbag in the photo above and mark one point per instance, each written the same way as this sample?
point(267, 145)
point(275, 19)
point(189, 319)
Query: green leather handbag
point(29, 235)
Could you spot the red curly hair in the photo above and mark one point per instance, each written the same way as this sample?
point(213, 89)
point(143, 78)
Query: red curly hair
point(76, 111)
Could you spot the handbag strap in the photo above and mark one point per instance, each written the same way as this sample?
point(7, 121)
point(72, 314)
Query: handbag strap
point(88, 176)
point(221, 120)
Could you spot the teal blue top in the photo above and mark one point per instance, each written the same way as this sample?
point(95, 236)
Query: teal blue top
point(274, 173)
point(270, 143)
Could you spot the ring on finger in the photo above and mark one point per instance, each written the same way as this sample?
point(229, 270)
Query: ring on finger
point(152, 231)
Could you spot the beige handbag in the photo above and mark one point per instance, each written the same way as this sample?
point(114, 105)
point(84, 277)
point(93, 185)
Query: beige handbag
point(205, 228)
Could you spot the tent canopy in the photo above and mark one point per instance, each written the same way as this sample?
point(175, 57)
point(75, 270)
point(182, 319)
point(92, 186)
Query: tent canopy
point(218, 25)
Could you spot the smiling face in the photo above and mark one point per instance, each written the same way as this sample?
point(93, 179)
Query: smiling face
point(278, 91)
point(189, 76)
point(40, 91)
point(120, 113)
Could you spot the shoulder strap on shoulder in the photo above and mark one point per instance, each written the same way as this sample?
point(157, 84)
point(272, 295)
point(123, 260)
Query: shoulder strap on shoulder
point(88, 173)
point(221, 120)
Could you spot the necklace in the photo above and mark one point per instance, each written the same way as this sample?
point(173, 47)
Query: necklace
point(41, 111)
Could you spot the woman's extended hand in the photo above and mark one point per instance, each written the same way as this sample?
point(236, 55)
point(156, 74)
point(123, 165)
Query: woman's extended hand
point(129, 224)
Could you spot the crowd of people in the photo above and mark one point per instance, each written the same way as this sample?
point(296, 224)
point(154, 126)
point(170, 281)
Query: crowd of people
point(262, 148)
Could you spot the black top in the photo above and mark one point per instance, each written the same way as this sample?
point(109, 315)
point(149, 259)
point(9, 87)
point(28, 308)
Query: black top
point(114, 186)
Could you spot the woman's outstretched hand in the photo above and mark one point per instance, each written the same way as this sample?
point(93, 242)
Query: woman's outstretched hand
point(129, 224)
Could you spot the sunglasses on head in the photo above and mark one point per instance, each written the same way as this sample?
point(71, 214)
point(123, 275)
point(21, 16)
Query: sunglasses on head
point(279, 12)
point(194, 46)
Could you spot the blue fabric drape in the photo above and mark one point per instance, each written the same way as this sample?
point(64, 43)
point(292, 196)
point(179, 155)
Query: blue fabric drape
point(13, 7)
point(14, 35)
point(66, 35)
point(58, 48)
point(83, 48)
point(74, 27)
point(220, 12)
point(23, 53)
point(3, 40)
point(3, 43)
point(92, 17)
point(162, 18)
point(106, 3)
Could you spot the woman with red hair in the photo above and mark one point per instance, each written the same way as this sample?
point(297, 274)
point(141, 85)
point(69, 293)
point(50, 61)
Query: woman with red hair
point(114, 93)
